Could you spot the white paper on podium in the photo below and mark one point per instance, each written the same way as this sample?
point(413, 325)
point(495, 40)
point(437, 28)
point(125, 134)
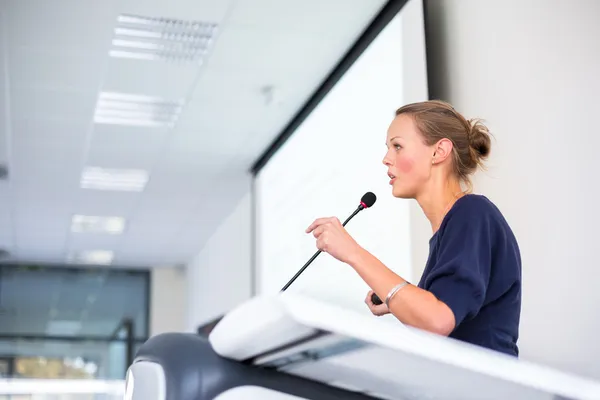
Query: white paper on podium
point(380, 356)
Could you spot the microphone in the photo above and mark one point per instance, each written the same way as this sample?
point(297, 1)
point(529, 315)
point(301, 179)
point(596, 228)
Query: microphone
point(366, 201)
point(376, 300)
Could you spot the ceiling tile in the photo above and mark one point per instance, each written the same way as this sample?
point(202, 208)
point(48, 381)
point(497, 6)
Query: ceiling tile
point(43, 238)
point(92, 241)
point(309, 16)
point(28, 198)
point(216, 114)
point(99, 202)
point(4, 193)
point(80, 24)
point(202, 10)
point(171, 175)
point(150, 78)
point(5, 222)
point(44, 103)
point(149, 239)
point(149, 219)
point(257, 49)
point(42, 245)
point(56, 68)
point(4, 105)
point(34, 237)
point(36, 218)
point(6, 238)
point(200, 158)
point(139, 259)
point(169, 206)
point(54, 131)
point(44, 177)
point(129, 136)
point(44, 163)
point(114, 146)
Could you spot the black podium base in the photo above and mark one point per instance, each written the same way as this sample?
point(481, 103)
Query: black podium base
point(193, 371)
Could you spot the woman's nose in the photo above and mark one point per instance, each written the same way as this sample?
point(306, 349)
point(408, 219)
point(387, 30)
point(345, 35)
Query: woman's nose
point(386, 160)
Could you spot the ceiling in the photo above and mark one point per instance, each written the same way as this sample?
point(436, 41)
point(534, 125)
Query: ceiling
point(260, 61)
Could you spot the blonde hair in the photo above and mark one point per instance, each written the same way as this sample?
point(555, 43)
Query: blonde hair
point(471, 139)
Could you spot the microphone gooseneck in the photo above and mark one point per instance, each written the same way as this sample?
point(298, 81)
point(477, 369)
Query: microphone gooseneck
point(366, 201)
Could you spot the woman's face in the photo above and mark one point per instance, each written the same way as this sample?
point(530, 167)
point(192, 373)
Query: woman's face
point(408, 158)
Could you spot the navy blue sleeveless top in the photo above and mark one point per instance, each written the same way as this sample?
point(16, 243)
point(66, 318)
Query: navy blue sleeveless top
point(474, 267)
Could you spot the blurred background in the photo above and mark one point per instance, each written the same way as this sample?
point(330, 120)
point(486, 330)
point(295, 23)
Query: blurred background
point(159, 162)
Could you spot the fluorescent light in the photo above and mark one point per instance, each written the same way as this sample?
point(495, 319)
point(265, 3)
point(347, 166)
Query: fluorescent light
point(137, 110)
point(137, 33)
point(133, 19)
point(97, 224)
point(165, 39)
point(61, 386)
point(134, 56)
point(137, 44)
point(133, 98)
point(133, 122)
point(96, 257)
point(128, 180)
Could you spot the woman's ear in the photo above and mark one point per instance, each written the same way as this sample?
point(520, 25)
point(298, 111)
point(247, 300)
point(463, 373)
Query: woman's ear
point(442, 150)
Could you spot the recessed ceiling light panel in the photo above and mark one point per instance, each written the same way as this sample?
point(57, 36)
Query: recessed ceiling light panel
point(136, 110)
point(97, 224)
point(127, 180)
point(146, 38)
point(96, 257)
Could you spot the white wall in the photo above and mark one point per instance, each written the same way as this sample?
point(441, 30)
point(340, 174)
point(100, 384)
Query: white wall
point(167, 300)
point(530, 68)
point(219, 278)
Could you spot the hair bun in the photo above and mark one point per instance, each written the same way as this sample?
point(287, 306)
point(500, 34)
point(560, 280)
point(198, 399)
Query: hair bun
point(480, 141)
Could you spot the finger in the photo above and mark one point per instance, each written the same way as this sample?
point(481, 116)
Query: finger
point(322, 243)
point(368, 298)
point(316, 223)
point(319, 231)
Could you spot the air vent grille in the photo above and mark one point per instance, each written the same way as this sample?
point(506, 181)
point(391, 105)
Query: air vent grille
point(164, 39)
point(137, 110)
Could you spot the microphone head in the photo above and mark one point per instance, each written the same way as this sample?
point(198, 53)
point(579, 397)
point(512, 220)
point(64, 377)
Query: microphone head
point(368, 199)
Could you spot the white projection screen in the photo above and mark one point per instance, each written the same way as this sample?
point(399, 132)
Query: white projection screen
point(330, 161)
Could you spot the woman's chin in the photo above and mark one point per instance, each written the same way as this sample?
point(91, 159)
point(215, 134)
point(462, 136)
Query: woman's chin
point(401, 192)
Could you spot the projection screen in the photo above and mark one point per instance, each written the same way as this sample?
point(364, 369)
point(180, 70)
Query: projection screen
point(330, 161)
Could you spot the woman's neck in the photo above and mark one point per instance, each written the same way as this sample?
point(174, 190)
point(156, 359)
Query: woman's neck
point(438, 199)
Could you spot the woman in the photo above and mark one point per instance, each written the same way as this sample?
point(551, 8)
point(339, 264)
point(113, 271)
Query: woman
point(471, 286)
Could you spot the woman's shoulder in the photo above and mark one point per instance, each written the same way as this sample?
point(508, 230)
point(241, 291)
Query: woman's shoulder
point(473, 217)
point(471, 202)
point(475, 208)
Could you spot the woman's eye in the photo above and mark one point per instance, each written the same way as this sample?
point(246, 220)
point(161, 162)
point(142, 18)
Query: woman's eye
point(397, 146)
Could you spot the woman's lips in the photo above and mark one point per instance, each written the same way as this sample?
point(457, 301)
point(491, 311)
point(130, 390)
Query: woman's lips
point(392, 178)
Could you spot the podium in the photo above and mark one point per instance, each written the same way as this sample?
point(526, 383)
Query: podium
point(287, 346)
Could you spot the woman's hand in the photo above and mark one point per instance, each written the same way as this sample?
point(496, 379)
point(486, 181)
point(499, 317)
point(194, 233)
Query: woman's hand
point(333, 239)
point(377, 310)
